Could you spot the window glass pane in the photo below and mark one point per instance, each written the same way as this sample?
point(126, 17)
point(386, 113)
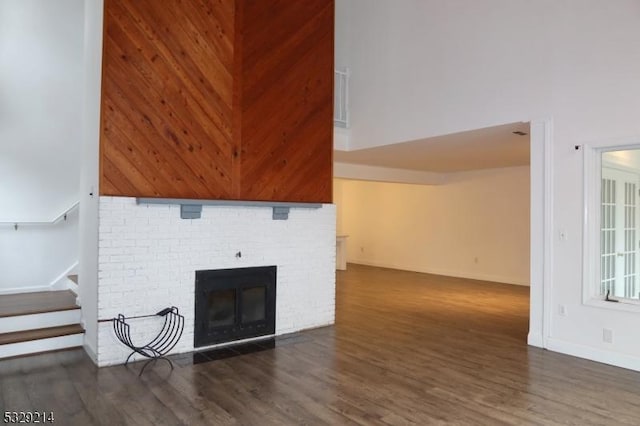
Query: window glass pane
point(619, 224)
point(253, 304)
point(222, 308)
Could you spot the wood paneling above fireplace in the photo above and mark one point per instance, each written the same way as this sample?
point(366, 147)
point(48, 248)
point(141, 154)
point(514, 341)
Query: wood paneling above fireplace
point(218, 99)
point(287, 100)
point(167, 99)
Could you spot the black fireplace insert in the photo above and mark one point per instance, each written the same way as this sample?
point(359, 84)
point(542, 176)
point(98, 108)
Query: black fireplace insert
point(234, 304)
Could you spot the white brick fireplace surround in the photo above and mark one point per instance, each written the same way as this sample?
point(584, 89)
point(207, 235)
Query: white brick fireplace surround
point(148, 257)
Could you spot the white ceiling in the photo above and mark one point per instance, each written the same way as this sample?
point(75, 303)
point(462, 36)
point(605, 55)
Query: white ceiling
point(488, 148)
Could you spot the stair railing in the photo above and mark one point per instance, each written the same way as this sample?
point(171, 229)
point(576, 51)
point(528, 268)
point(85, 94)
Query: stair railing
point(59, 218)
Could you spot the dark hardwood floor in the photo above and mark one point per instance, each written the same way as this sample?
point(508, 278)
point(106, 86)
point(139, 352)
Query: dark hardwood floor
point(407, 348)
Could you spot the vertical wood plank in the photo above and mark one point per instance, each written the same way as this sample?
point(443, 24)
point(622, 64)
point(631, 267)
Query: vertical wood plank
point(287, 100)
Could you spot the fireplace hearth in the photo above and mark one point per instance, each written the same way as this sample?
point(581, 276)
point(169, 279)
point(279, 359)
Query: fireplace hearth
point(234, 304)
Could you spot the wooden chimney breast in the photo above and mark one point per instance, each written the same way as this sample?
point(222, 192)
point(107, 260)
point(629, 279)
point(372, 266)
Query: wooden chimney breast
point(227, 99)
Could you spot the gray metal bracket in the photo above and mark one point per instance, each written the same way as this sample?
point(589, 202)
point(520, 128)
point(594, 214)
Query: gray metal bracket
point(190, 211)
point(280, 213)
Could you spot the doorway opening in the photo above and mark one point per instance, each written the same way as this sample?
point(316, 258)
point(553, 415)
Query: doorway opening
point(461, 216)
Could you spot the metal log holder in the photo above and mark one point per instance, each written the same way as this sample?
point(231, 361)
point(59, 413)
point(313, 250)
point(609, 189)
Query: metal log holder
point(161, 345)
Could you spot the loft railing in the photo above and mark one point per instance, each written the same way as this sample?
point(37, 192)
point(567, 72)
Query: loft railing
point(59, 218)
point(341, 98)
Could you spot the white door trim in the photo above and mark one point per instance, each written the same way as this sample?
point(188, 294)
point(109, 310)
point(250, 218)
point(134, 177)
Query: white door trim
point(541, 154)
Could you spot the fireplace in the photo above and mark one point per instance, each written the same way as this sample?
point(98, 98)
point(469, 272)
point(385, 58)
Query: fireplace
point(149, 256)
point(234, 304)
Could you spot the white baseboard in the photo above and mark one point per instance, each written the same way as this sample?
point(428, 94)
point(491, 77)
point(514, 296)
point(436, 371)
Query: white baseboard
point(60, 282)
point(448, 273)
point(535, 339)
point(594, 354)
point(75, 289)
point(90, 351)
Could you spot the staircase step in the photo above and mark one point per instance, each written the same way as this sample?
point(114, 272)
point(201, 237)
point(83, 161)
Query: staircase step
point(41, 341)
point(36, 303)
point(40, 333)
point(35, 321)
point(39, 322)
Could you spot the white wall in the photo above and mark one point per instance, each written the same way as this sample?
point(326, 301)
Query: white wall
point(89, 200)
point(342, 20)
point(40, 137)
point(425, 67)
point(386, 174)
point(40, 107)
point(475, 226)
point(32, 258)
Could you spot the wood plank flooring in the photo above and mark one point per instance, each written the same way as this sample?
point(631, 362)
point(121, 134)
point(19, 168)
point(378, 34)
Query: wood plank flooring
point(36, 303)
point(407, 348)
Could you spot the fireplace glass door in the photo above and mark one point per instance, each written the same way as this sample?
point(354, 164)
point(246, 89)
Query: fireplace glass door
point(222, 308)
point(234, 304)
point(253, 304)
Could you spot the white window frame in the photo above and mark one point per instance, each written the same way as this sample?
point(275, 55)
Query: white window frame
point(591, 228)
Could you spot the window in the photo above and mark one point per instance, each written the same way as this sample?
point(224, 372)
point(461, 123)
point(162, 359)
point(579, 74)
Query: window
point(619, 228)
point(612, 229)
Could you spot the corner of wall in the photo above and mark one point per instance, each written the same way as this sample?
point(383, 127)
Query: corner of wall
point(88, 229)
point(541, 217)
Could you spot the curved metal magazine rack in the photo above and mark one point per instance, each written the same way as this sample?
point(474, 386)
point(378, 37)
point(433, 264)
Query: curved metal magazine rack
point(161, 345)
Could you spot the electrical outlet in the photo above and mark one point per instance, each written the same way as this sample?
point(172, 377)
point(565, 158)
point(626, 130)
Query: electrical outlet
point(607, 335)
point(361, 249)
point(562, 310)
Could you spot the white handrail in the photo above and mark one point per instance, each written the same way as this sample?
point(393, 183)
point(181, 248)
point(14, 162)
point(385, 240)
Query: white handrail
point(58, 218)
